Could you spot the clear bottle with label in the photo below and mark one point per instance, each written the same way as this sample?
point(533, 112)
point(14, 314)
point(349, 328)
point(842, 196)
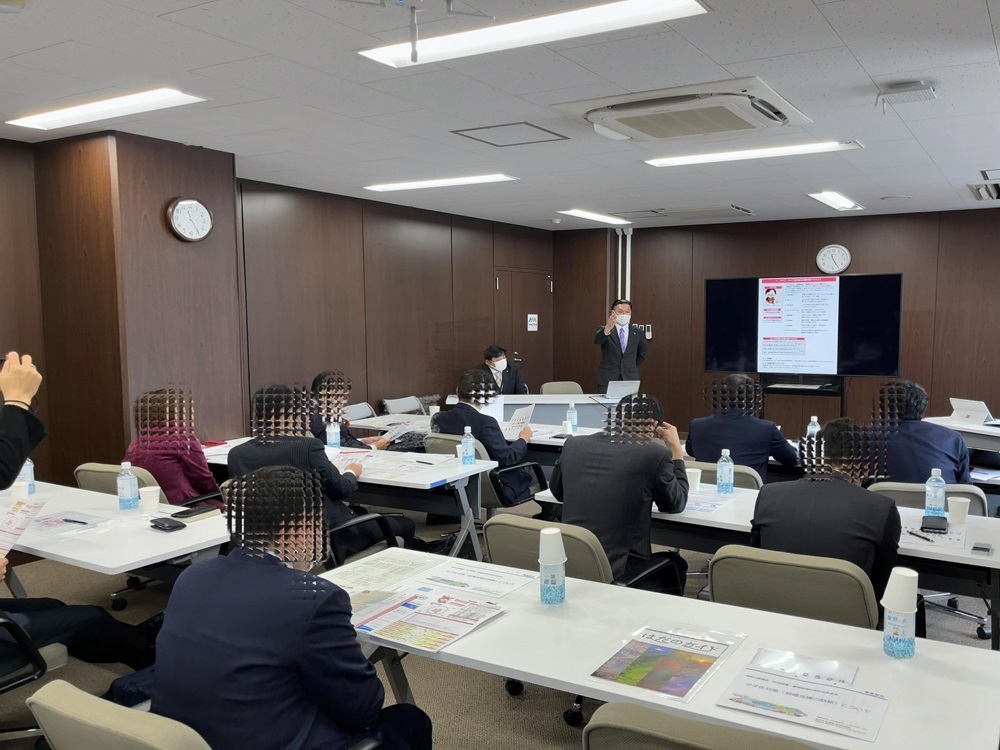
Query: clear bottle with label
point(27, 475)
point(128, 489)
point(934, 494)
point(812, 429)
point(724, 472)
point(468, 447)
point(333, 434)
point(899, 634)
point(572, 416)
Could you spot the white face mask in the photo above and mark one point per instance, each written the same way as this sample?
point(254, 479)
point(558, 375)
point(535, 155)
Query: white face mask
point(500, 365)
point(623, 320)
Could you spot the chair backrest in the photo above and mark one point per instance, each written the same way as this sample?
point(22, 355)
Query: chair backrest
point(74, 720)
point(512, 540)
point(743, 476)
point(615, 726)
point(561, 386)
point(405, 405)
point(104, 478)
point(909, 495)
point(821, 588)
point(438, 442)
point(358, 411)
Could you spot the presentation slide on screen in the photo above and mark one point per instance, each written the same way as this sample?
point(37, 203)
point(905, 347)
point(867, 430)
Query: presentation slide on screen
point(797, 322)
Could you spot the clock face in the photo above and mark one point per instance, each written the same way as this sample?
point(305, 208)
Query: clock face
point(833, 259)
point(190, 219)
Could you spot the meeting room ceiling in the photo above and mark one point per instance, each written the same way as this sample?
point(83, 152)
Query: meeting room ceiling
point(291, 98)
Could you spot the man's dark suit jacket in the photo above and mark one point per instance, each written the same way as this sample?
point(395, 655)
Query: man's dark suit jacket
point(609, 488)
point(616, 364)
point(20, 432)
point(829, 518)
point(511, 382)
point(253, 654)
point(916, 447)
point(487, 431)
point(750, 441)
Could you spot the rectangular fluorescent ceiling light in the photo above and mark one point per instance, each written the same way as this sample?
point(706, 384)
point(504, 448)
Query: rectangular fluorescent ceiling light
point(541, 30)
point(119, 106)
point(591, 216)
point(754, 153)
point(835, 200)
point(448, 182)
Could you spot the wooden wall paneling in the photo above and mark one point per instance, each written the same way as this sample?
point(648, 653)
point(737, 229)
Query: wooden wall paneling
point(408, 302)
point(503, 309)
point(473, 290)
point(77, 243)
point(522, 248)
point(305, 286)
point(582, 263)
point(180, 301)
point(966, 355)
point(20, 285)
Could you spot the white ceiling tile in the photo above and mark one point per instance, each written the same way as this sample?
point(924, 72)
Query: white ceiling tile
point(575, 93)
point(277, 113)
point(41, 85)
point(960, 90)
point(158, 7)
point(908, 153)
point(865, 122)
point(525, 71)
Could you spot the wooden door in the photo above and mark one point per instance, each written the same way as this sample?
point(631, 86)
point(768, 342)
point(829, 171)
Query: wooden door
point(531, 295)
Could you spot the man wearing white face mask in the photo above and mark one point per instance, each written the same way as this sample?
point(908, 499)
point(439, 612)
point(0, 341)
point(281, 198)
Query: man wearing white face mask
point(623, 346)
point(506, 374)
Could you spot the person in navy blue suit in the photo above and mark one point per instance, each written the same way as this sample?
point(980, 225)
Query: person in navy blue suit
point(256, 652)
point(750, 440)
point(914, 447)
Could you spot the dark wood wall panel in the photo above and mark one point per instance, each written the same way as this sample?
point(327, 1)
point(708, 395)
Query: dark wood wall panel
point(20, 286)
point(473, 288)
point(305, 286)
point(180, 302)
point(581, 301)
point(522, 248)
point(408, 308)
point(77, 233)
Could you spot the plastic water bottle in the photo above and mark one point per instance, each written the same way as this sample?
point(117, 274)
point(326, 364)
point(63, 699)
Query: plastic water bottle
point(934, 494)
point(333, 434)
point(899, 634)
point(552, 583)
point(468, 448)
point(128, 489)
point(27, 474)
point(571, 416)
point(812, 428)
point(724, 474)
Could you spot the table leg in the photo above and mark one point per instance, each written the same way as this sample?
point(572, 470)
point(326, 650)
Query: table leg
point(392, 662)
point(15, 585)
point(993, 597)
point(462, 489)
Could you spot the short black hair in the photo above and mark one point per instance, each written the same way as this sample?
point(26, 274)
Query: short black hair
point(621, 302)
point(630, 416)
point(843, 441)
point(738, 380)
point(911, 399)
point(492, 352)
point(280, 410)
point(476, 385)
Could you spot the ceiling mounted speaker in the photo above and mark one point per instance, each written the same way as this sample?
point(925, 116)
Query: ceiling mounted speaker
point(11, 6)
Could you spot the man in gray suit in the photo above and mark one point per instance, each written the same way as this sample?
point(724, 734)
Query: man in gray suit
point(623, 346)
point(609, 481)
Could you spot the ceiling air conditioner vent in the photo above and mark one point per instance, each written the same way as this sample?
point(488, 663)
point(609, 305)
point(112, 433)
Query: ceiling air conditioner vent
point(741, 105)
point(986, 191)
point(695, 213)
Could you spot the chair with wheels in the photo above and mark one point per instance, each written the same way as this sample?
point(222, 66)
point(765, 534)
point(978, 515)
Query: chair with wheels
point(560, 386)
point(23, 663)
point(405, 405)
point(820, 588)
point(615, 726)
point(513, 541)
point(353, 412)
point(913, 495)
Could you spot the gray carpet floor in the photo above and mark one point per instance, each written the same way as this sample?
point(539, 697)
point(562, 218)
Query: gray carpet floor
point(457, 699)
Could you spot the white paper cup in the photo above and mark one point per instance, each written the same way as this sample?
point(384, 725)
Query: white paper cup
point(694, 480)
point(567, 427)
point(458, 452)
point(433, 410)
point(149, 499)
point(19, 491)
point(550, 547)
point(958, 509)
point(901, 591)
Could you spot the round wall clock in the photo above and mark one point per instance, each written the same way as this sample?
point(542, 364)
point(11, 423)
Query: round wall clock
point(833, 259)
point(189, 219)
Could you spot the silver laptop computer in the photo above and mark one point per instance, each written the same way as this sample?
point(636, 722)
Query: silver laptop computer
point(622, 388)
point(973, 412)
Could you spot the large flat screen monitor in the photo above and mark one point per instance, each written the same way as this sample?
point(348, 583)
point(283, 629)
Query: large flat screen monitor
point(815, 325)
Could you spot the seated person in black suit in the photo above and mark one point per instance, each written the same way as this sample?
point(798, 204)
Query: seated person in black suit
point(734, 425)
point(828, 514)
point(89, 633)
point(280, 420)
point(914, 447)
point(608, 483)
point(256, 652)
point(475, 389)
point(506, 374)
point(330, 392)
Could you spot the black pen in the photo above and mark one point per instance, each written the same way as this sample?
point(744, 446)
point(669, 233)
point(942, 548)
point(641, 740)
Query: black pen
point(429, 463)
point(73, 520)
point(919, 536)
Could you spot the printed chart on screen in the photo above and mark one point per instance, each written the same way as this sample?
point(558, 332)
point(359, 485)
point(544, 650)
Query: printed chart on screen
point(797, 324)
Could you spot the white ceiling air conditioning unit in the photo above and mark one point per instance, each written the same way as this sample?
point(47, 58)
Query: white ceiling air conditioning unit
point(986, 191)
point(737, 106)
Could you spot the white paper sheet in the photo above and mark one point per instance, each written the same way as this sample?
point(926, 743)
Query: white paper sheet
point(913, 536)
point(489, 583)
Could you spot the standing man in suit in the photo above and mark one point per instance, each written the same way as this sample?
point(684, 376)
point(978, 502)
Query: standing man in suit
point(256, 651)
point(506, 374)
point(623, 346)
point(608, 483)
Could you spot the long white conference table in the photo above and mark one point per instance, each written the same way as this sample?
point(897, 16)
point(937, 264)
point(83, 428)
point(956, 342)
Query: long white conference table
point(591, 408)
point(945, 697)
point(979, 436)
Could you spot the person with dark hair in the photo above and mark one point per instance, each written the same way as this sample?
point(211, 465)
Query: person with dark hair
point(505, 373)
point(330, 391)
point(914, 447)
point(256, 651)
point(735, 425)
point(828, 514)
point(608, 483)
point(280, 424)
point(623, 346)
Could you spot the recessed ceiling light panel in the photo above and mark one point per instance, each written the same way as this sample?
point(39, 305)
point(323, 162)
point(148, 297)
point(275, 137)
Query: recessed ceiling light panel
point(446, 182)
point(119, 106)
point(754, 153)
point(591, 216)
point(835, 200)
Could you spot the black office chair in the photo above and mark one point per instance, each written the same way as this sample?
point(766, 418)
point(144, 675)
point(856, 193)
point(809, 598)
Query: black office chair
point(27, 665)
